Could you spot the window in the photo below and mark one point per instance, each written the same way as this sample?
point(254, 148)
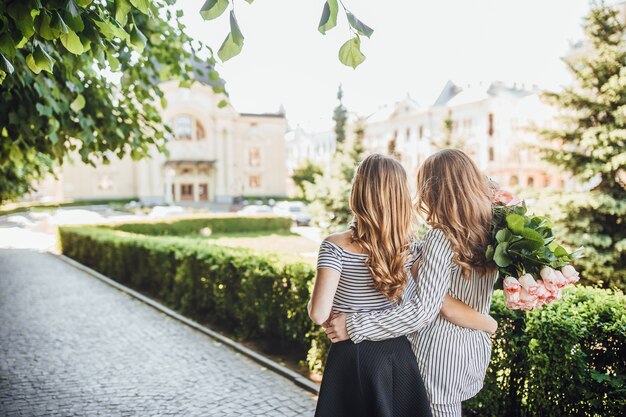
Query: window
point(254, 157)
point(490, 129)
point(254, 181)
point(421, 131)
point(186, 192)
point(514, 180)
point(183, 128)
point(492, 154)
point(408, 133)
point(203, 192)
point(530, 181)
point(200, 131)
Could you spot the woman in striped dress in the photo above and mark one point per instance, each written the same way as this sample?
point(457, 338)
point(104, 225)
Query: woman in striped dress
point(365, 269)
point(455, 199)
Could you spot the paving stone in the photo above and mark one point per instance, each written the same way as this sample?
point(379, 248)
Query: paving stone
point(71, 345)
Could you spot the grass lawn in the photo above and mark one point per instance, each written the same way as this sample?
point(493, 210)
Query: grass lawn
point(285, 243)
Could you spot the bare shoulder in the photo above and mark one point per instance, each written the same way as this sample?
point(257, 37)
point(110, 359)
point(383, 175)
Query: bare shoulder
point(341, 238)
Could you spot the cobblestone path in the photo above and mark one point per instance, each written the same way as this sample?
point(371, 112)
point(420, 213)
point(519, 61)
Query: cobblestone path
point(71, 345)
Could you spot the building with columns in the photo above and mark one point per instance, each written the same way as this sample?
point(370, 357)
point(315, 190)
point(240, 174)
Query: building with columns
point(492, 122)
point(214, 156)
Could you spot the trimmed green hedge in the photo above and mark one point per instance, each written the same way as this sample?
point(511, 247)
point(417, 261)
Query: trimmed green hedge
point(567, 359)
point(222, 224)
point(250, 295)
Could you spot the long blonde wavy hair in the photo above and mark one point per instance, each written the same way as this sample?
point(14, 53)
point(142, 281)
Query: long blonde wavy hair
point(383, 218)
point(453, 195)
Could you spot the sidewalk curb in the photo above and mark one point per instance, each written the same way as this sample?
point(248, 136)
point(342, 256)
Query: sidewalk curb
point(281, 370)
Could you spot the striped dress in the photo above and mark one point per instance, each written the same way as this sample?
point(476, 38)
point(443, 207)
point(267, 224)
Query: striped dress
point(452, 360)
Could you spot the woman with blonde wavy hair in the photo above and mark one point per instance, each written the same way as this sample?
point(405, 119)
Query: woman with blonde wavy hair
point(366, 270)
point(454, 198)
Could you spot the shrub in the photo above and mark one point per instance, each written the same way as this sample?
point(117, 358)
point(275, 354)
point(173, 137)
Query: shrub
point(566, 359)
point(254, 296)
point(218, 224)
point(563, 360)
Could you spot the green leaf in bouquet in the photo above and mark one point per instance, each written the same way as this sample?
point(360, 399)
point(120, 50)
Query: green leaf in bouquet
point(515, 222)
point(489, 253)
point(531, 234)
point(527, 244)
point(504, 235)
point(500, 256)
point(560, 252)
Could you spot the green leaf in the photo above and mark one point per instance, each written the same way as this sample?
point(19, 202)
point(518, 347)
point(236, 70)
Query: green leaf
point(137, 39)
point(350, 53)
point(500, 256)
point(249, 1)
point(84, 3)
point(213, 9)
point(7, 46)
point(329, 16)
point(489, 253)
point(233, 43)
point(234, 29)
point(72, 8)
point(20, 13)
point(531, 234)
point(74, 22)
point(560, 252)
point(30, 62)
point(78, 104)
point(141, 5)
point(57, 24)
point(223, 103)
point(359, 26)
point(5, 65)
point(43, 24)
point(72, 43)
point(43, 61)
point(504, 235)
point(515, 223)
point(122, 7)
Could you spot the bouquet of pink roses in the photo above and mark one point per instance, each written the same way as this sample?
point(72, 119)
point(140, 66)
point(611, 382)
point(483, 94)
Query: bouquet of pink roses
point(534, 265)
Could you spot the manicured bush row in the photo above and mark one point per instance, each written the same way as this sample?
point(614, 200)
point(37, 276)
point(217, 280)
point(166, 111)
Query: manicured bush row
point(22, 207)
point(252, 296)
point(567, 359)
point(217, 224)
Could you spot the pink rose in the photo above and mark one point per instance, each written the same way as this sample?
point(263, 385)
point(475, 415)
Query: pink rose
point(506, 198)
point(561, 281)
point(570, 274)
point(512, 300)
point(511, 285)
point(548, 275)
point(528, 283)
point(527, 298)
point(542, 292)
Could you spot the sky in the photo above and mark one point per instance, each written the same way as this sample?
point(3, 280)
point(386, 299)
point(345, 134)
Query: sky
point(416, 47)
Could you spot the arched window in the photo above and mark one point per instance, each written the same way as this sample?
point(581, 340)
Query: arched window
point(183, 127)
point(492, 154)
point(530, 182)
point(514, 180)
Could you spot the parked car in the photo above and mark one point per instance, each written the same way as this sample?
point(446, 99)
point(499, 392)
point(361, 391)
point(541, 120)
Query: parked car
point(294, 209)
point(255, 210)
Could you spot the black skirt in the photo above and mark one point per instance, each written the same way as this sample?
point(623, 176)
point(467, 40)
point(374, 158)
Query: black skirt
point(372, 379)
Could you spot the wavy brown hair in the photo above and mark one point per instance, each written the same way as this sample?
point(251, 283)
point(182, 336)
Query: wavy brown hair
point(453, 195)
point(383, 217)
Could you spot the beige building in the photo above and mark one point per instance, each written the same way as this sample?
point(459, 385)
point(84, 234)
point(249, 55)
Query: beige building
point(214, 156)
point(491, 122)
